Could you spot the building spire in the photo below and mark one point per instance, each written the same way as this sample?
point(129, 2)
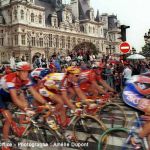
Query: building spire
point(97, 16)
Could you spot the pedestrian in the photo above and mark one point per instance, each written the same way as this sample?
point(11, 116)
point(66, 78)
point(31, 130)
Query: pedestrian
point(127, 73)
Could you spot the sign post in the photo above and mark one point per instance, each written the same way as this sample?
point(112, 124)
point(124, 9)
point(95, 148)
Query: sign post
point(124, 47)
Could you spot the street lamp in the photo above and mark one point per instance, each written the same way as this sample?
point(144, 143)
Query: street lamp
point(46, 52)
point(28, 56)
point(133, 50)
point(110, 48)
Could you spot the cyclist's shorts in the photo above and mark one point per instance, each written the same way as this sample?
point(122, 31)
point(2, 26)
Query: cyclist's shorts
point(131, 96)
point(5, 99)
point(47, 93)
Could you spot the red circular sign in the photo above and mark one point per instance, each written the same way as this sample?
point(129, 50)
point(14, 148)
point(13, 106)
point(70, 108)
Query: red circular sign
point(124, 47)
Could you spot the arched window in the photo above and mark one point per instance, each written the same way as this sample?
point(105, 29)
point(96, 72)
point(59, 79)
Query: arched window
point(22, 14)
point(15, 14)
point(40, 19)
point(32, 17)
point(93, 29)
point(89, 29)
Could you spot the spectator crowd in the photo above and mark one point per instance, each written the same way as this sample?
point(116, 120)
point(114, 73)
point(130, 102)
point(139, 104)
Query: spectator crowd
point(113, 70)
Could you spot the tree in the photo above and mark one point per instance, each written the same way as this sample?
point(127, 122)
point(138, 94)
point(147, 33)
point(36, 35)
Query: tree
point(86, 46)
point(146, 50)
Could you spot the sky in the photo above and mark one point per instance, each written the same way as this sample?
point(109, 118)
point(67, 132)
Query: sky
point(133, 13)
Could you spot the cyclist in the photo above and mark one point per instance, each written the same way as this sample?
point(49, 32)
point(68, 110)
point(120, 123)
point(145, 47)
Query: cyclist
point(89, 81)
point(135, 95)
point(10, 91)
point(56, 86)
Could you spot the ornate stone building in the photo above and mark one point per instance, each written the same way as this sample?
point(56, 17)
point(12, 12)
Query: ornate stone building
point(31, 27)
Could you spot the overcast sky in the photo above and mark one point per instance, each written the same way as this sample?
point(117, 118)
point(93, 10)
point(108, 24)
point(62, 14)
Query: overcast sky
point(135, 13)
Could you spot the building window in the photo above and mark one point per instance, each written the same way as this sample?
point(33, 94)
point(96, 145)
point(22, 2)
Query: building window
point(89, 29)
point(79, 40)
point(22, 14)
point(73, 42)
point(41, 42)
point(33, 41)
point(40, 19)
point(57, 41)
point(37, 42)
point(23, 39)
point(1, 41)
point(15, 14)
point(63, 42)
point(50, 40)
point(16, 39)
point(93, 30)
point(55, 22)
point(32, 17)
point(68, 42)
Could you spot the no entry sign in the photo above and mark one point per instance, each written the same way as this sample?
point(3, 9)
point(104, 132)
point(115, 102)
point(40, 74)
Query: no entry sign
point(124, 47)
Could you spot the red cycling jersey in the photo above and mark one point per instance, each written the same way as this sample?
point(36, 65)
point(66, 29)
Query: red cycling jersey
point(12, 81)
point(87, 76)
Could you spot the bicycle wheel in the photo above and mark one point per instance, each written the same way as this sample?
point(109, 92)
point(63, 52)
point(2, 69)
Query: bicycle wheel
point(112, 115)
point(118, 139)
point(38, 136)
point(87, 129)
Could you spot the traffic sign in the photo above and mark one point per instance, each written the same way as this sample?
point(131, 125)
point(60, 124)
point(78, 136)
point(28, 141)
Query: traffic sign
point(124, 47)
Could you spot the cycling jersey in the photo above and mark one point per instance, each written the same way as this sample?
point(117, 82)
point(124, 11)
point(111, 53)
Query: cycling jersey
point(56, 82)
point(136, 89)
point(86, 77)
point(10, 81)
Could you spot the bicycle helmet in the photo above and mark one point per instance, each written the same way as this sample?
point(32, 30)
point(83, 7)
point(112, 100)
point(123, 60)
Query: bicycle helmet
point(39, 73)
point(23, 66)
point(73, 70)
point(44, 72)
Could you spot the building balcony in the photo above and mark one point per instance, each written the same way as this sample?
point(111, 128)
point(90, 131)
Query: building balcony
point(114, 30)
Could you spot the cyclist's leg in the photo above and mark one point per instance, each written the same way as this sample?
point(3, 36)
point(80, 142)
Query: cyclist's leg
point(8, 120)
point(7, 116)
point(145, 130)
point(59, 106)
point(144, 105)
point(92, 90)
point(87, 89)
point(23, 100)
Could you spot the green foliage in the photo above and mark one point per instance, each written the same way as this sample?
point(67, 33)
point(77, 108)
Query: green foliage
point(146, 50)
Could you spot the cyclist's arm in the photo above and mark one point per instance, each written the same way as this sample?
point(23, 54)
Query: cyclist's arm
point(143, 91)
point(67, 100)
point(36, 95)
point(98, 87)
point(16, 100)
point(106, 86)
point(80, 94)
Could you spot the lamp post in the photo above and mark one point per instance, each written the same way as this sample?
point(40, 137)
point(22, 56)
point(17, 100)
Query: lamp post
point(28, 56)
point(133, 50)
point(46, 53)
point(147, 37)
point(146, 48)
point(109, 49)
